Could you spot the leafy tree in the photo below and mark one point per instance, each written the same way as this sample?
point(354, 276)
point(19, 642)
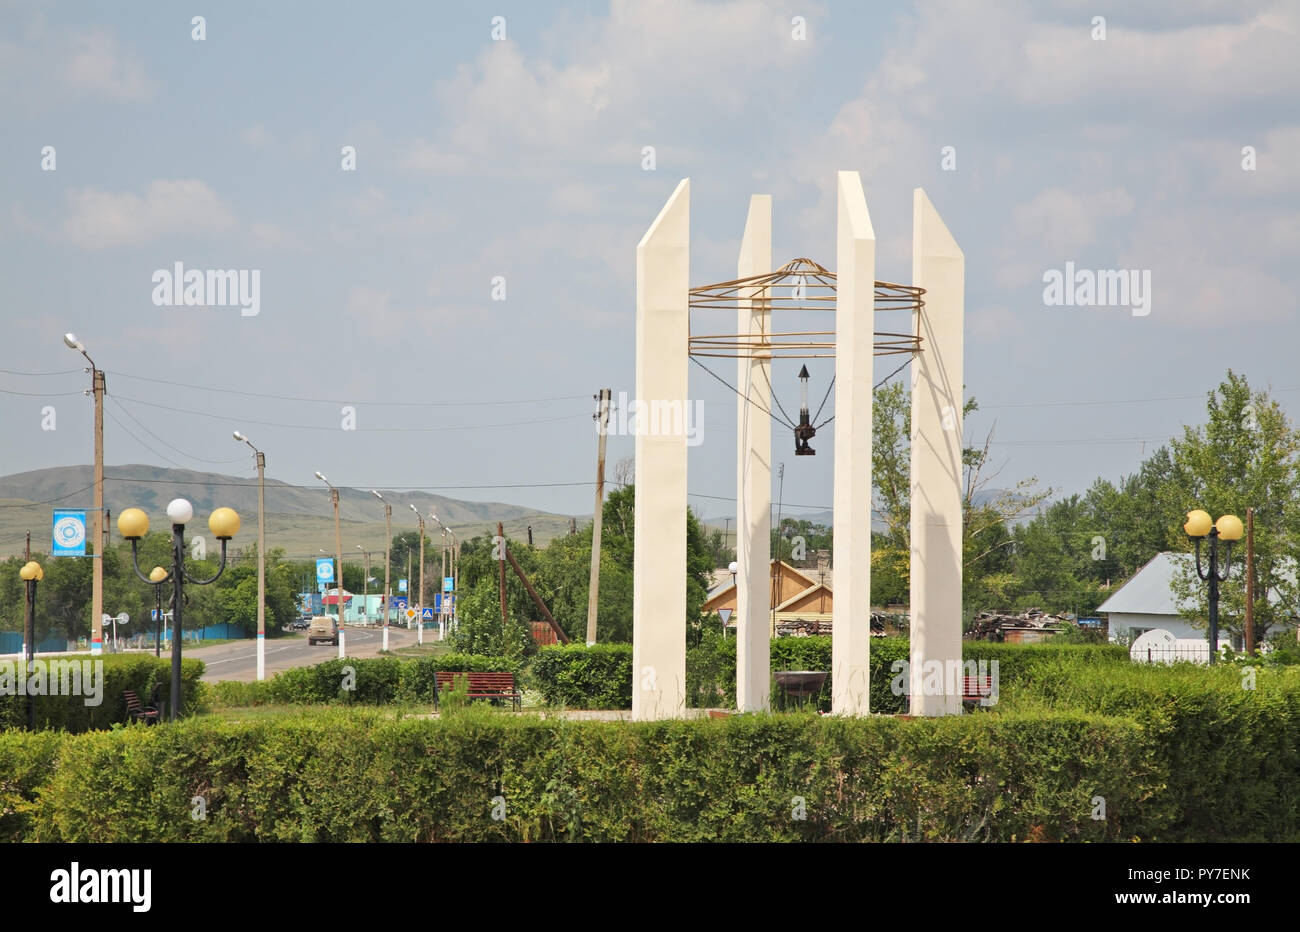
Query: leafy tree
point(1246, 454)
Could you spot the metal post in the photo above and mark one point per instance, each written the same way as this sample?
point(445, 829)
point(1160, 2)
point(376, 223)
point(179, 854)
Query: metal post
point(338, 550)
point(29, 652)
point(1250, 581)
point(157, 628)
point(598, 516)
point(178, 613)
point(261, 565)
point(97, 566)
point(1214, 594)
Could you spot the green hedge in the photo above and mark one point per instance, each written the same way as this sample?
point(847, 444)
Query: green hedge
point(1229, 746)
point(576, 676)
point(354, 776)
point(139, 672)
point(374, 680)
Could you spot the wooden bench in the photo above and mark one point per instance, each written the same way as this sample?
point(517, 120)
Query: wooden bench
point(136, 711)
point(976, 688)
point(482, 685)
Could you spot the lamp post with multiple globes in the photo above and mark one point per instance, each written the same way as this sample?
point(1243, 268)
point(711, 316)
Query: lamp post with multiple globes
point(1228, 529)
point(133, 524)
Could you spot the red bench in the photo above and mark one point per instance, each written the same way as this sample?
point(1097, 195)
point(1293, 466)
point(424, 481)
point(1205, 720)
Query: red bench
point(976, 688)
point(482, 685)
point(136, 711)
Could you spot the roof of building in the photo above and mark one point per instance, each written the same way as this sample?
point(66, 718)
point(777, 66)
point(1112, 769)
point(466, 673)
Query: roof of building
point(1150, 590)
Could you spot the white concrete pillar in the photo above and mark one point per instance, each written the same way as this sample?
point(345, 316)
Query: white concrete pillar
point(855, 309)
point(939, 267)
point(659, 561)
point(754, 471)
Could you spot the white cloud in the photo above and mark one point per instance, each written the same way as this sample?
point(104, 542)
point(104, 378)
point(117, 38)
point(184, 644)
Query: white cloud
point(96, 65)
point(628, 80)
point(101, 219)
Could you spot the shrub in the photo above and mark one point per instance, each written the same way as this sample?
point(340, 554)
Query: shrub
point(356, 777)
point(138, 672)
point(576, 676)
point(374, 681)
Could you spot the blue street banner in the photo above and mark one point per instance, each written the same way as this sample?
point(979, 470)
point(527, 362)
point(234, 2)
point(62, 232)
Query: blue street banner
point(448, 584)
point(69, 532)
point(401, 585)
point(324, 570)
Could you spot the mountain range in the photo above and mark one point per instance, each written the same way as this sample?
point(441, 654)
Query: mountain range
point(299, 518)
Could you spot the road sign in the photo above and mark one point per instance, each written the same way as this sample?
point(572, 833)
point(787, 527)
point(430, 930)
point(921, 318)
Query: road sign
point(69, 531)
point(324, 570)
point(123, 618)
point(411, 614)
point(448, 584)
point(724, 614)
point(399, 602)
point(426, 614)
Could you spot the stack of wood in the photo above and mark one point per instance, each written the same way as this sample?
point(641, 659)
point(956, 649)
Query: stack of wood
point(995, 626)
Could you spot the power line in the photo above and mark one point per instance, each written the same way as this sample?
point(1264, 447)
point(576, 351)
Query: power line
point(345, 401)
point(38, 375)
point(232, 419)
point(141, 442)
point(201, 459)
point(51, 501)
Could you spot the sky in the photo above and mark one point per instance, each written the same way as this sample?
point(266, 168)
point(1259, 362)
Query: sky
point(439, 314)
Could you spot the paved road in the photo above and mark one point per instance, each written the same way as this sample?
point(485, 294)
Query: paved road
point(238, 661)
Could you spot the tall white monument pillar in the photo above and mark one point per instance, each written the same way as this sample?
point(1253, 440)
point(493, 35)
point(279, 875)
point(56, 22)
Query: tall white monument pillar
point(855, 306)
point(659, 561)
point(939, 267)
point(754, 469)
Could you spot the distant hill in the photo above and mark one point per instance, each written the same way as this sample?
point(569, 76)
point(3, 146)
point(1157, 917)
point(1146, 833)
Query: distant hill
point(298, 518)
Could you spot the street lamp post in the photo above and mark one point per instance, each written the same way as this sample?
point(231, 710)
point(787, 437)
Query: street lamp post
point(31, 573)
point(97, 567)
point(133, 524)
point(419, 517)
point(261, 555)
point(455, 554)
point(157, 576)
point(338, 556)
point(1228, 528)
point(388, 561)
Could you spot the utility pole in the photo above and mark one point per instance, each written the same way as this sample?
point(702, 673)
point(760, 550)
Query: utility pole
point(261, 554)
point(1250, 581)
point(598, 515)
point(338, 556)
point(365, 582)
point(780, 502)
point(501, 542)
point(97, 567)
point(388, 559)
point(420, 518)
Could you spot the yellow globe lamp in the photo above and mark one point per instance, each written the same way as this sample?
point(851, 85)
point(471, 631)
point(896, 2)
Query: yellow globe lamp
point(157, 574)
point(223, 523)
point(31, 572)
point(133, 524)
point(1198, 523)
point(1229, 527)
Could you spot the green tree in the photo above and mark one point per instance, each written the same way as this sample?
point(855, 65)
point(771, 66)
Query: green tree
point(1246, 454)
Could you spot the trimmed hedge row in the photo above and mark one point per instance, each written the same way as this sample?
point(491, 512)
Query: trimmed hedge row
point(139, 672)
point(373, 680)
point(479, 776)
point(1228, 740)
point(578, 676)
